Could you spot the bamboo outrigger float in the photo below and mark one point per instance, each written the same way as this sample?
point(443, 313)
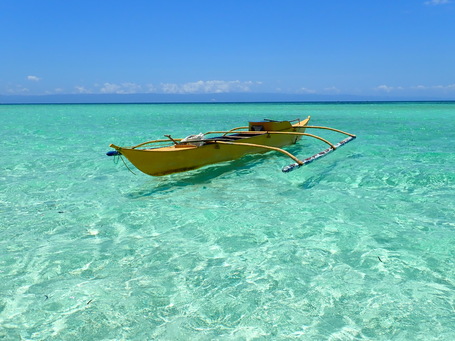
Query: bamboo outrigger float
point(195, 151)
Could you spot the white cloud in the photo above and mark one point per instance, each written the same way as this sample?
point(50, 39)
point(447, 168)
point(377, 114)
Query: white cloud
point(213, 86)
point(124, 88)
point(170, 88)
point(437, 2)
point(418, 89)
point(306, 91)
point(81, 90)
point(150, 88)
point(33, 78)
point(199, 87)
point(385, 88)
point(450, 87)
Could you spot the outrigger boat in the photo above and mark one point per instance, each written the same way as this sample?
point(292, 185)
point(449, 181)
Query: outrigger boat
point(195, 151)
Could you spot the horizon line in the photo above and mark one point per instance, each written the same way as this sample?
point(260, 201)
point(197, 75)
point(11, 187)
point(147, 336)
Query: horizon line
point(229, 97)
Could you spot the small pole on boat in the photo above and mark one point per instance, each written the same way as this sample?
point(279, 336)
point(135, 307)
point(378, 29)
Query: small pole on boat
point(170, 138)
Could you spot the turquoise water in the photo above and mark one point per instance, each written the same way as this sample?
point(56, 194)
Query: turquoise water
point(359, 245)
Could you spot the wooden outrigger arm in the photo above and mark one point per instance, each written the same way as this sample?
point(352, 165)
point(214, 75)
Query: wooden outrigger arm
point(240, 133)
point(298, 163)
point(234, 129)
point(269, 132)
point(328, 128)
point(170, 139)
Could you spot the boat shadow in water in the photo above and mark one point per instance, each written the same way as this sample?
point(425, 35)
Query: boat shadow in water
point(171, 183)
point(325, 172)
point(315, 180)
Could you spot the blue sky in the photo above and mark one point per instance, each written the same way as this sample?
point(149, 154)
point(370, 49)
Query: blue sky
point(388, 48)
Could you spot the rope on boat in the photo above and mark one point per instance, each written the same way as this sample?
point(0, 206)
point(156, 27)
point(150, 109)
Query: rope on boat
point(310, 159)
point(117, 155)
point(126, 165)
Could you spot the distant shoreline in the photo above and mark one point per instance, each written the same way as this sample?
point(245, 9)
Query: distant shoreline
point(215, 98)
point(322, 102)
point(217, 103)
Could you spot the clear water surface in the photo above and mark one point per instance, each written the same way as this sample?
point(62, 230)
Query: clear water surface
point(359, 245)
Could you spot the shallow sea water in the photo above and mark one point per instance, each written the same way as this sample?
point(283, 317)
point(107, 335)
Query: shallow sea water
point(359, 245)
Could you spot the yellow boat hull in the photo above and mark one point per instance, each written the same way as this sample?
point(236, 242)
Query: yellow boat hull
point(184, 157)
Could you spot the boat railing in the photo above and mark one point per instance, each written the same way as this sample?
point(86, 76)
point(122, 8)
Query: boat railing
point(156, 141)
point(247, 133)
point(234, 129)
point(328, 128)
